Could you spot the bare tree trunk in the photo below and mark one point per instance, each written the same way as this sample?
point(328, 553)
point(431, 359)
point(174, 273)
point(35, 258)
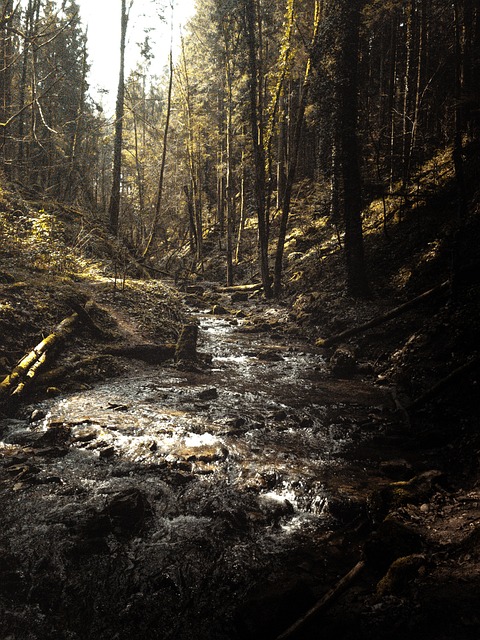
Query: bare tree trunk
point(352, 187)
point(158, 203)
point(256, 123)
point(292, 169)
point(114, 207)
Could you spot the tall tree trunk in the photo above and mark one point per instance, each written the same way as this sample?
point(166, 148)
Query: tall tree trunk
point(158, 203)
point(352, 188)
point(114, 207)
point(229, 177)
point(6, 72)
point(192, 162)
point(293, 161)
point(256, 124)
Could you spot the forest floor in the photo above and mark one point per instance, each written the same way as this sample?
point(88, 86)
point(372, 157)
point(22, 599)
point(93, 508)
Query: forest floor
point(417, 526)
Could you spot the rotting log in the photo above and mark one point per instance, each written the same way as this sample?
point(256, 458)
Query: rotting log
point(25, 371)
point(325, 601)
point(393, 313)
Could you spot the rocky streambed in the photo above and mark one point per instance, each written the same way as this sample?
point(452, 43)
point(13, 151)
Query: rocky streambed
point(186, 501)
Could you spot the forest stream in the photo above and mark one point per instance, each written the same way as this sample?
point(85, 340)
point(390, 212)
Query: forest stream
point(172, 501)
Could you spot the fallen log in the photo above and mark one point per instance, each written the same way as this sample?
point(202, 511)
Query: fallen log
point(444, 383)
point(241, 287)
point(325, 601)
point(151, 353)
point(393, 313)
point(25, 371)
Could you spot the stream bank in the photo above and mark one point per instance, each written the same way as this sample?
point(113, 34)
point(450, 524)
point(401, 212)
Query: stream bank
point(215, 500)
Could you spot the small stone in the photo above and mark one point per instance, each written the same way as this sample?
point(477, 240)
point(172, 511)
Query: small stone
point(106, 453)
point(218, 310)
point(425, 508)
point(208, 394)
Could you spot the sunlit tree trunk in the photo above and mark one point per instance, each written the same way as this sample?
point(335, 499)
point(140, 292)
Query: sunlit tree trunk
point(293, 160)
point(6, 71)
point(158, 202)
point(114, 206)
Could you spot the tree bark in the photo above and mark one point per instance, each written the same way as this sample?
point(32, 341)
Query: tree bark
point(114, 206)
point(256, 124)
point(293, 161)
point(357, 284)
point(158, 203)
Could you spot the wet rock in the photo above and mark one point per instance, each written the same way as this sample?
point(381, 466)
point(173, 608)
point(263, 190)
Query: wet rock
point(274, 506)
point(57, 434)
point(397, 581)
point(195, 289)
point(208, 394)
point(239, 296)
point(203, 453)
point(396, 494)
point(343, 363)
point(52, 452)
point(107, 452)
point(218, 310)
point(269, 356)
point(236, 423)
point(128, 511)
point(345, 508)
point(84, 435)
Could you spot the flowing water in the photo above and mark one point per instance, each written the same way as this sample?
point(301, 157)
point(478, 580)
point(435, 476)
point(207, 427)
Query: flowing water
point(167, 496)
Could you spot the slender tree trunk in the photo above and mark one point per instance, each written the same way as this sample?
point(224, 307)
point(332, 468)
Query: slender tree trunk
point(352, 188)
point(192, 162)
point(114, 206)
point(256, 123)
point(292, 168)
point(241, 225)
point(229, 177)
point(6, 73)
point(158, 203)
point(281, 154)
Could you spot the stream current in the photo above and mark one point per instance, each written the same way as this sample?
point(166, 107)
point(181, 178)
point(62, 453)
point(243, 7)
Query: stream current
point(168, 496)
